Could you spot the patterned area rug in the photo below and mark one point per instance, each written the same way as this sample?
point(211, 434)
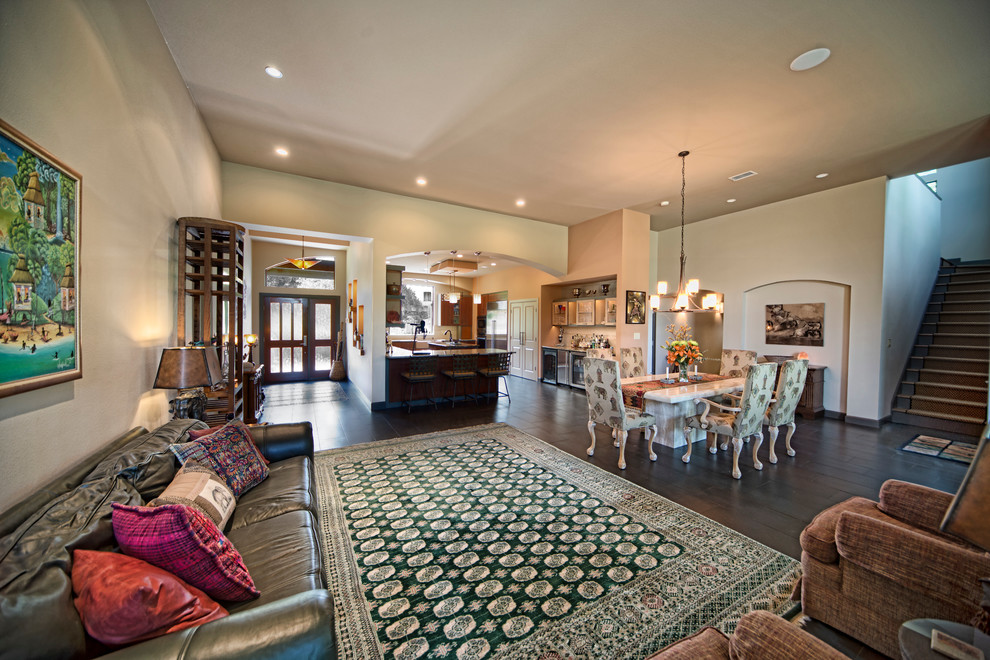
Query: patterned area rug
point(486, 542)
point(929, 445)
point(292, 394)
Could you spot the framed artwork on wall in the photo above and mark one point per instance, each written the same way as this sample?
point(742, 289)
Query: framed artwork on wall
point(796, 325)
point(39, 266)
point(635, 307)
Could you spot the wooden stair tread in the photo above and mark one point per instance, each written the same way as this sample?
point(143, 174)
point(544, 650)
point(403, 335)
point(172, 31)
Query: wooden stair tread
point(971, 388)
point(959, 402)
point(936, 415)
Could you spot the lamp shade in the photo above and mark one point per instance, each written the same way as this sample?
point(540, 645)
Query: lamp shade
point(188, 366)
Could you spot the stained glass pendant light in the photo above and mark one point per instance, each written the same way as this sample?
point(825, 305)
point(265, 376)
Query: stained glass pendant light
point(302, 263)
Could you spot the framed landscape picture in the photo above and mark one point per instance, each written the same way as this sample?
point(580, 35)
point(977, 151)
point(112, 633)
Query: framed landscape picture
point(39, 266)
point(635, 306)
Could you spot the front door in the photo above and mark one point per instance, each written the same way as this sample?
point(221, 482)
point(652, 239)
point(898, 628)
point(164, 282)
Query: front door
point(523, 338)
point(299, 337)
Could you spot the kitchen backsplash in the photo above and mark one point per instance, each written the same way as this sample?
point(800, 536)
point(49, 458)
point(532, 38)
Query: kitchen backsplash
point(582, 337)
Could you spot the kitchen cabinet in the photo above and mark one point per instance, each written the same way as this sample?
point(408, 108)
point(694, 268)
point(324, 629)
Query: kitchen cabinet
point(558, 313)
point(606, 311)
point(584, 312)
point(458, 313)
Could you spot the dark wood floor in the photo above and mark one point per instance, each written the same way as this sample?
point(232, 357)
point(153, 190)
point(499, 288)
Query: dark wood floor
point(834, 460)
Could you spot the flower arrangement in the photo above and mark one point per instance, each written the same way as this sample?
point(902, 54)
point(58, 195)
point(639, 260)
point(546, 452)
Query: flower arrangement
point(682, 350)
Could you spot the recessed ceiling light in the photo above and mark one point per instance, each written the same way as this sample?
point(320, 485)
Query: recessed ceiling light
point(665, 203)
point(520, 202)
point(273, 72)
point(822, 175)
point(282, 151)
point(731, 200)
point(421, 181)
point(928, 172)
point(493, 263)
point(810, 60)
point(460, 256)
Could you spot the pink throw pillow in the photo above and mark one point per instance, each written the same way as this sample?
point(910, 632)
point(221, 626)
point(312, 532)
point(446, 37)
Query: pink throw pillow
point(187, 543)
point(123, 600)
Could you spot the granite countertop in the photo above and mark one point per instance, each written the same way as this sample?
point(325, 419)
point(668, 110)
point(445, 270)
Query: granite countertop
point(403, 353)
point(568, 348)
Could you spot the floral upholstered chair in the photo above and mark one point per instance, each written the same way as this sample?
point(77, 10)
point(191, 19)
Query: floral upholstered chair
point(633, 364)
point(605, 406)
point(790, 387)
point(740, 421)
point(602, 353)
point(735, 362)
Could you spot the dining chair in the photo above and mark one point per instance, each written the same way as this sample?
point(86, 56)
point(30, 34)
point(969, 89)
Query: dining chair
point(605, 406)
point(740, 421)
point(603, 353)
point(790, 387)
point(735, 362)
point(633, 364)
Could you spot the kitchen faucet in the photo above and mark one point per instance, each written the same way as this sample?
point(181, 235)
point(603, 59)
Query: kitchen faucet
point(450, 337)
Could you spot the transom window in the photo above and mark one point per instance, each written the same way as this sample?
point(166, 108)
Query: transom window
point(285, 275)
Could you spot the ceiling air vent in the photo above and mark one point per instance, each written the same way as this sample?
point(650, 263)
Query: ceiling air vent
point(742, 175)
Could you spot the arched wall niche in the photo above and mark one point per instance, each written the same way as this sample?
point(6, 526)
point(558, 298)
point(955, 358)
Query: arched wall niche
point(833, 354)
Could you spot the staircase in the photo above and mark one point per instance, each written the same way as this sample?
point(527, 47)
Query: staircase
point(945, 382)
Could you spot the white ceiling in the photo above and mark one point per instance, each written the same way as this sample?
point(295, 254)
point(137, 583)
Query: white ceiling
point(580, 106)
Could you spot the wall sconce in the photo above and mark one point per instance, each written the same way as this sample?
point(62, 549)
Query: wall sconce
point(477, 299)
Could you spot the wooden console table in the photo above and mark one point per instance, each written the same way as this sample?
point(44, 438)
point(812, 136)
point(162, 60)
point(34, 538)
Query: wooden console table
point(254, 396)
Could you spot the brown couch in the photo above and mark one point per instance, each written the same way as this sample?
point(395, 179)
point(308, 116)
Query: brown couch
point(760, 635)
point(870, 566)
point(274, 527)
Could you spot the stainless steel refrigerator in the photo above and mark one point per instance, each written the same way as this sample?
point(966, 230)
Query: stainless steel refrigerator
point(497, 325)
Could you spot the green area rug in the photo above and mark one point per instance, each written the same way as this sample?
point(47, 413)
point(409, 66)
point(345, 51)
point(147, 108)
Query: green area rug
point(486, 542)
point(952, 450)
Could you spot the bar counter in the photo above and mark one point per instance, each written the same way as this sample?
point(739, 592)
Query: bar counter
point(398, 362)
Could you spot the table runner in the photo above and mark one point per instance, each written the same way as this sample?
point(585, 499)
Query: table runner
point(633, 393)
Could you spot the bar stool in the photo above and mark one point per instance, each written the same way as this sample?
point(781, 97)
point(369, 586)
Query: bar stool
point(463, 369)
point(422, 371)
point(498, 367)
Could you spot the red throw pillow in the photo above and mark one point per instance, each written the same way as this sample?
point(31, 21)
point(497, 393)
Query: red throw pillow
point(122, 599)
point(187, 543)
point(196, 434)
point(231, 453)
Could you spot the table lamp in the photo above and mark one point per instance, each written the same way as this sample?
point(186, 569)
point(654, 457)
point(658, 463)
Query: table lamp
point(188, 369)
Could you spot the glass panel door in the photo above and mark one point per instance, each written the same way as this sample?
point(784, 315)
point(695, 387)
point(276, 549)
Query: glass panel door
point(299, 337)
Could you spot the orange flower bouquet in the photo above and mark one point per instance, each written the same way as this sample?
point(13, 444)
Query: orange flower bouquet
point(682, 350)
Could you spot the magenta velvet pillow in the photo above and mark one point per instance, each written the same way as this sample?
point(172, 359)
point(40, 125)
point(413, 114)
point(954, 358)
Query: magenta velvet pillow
point(231, 453)
point(187, 543)
point(123, 600)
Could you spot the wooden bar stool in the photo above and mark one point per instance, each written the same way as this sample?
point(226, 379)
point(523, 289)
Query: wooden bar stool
point(422, 371)
point(463, 370)
point(497, 367)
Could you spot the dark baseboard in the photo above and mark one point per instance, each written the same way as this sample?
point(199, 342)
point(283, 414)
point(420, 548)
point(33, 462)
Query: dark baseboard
point(863, 421)
point(834, 414)
point(378, 405)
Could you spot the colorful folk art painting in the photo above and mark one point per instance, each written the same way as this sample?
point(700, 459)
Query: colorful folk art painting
point(39, 266)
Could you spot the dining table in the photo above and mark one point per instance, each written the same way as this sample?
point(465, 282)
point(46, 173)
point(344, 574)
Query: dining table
point(671, 402)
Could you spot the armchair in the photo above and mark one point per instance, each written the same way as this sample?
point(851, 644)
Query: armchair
point(870, 566)
point(739, 421)
point(760, 635)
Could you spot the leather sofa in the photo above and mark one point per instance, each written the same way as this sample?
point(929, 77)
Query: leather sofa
point(274, 527)
point(870, 566)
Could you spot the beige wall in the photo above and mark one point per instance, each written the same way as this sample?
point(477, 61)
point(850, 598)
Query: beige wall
point(93, 82)
point(835, 236)
point(380, 225)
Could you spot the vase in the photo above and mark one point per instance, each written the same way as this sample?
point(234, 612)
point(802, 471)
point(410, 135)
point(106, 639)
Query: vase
point(682, 373)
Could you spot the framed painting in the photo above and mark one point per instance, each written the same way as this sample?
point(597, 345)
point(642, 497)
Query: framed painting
point(796, 325)
point(40, 202)
point(635, 307)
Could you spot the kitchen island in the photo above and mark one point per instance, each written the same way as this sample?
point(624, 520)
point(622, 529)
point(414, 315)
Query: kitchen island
point(398, 362)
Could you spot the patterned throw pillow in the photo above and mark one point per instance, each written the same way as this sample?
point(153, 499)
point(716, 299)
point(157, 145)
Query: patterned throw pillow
point(201, 488)
point(196, 434)
point(122, 600)
point(184, 542)
point(231, 453)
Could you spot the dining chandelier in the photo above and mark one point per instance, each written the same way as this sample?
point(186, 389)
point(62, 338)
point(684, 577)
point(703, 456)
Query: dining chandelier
point(684, 299)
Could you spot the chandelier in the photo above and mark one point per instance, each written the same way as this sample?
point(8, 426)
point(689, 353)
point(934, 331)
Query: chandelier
point(684, 299)
point(302, 263)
